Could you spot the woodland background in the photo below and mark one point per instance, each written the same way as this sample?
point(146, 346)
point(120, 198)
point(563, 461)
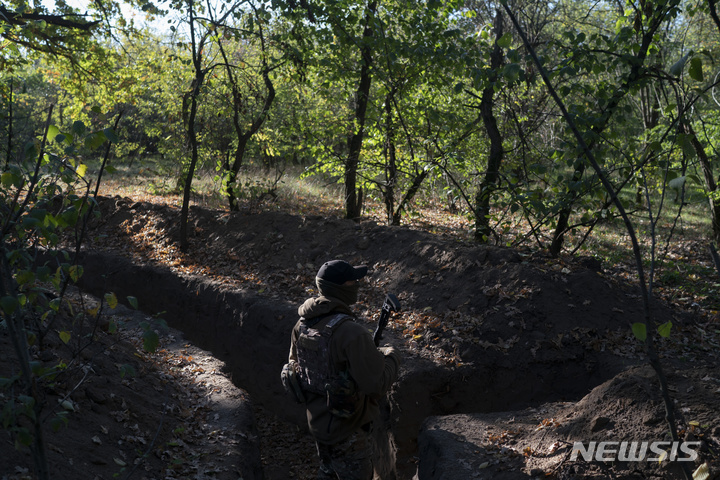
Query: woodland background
point(388, 100)
point(565, 127)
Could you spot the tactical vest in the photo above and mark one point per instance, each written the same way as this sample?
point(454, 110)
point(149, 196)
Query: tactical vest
point(315, 369)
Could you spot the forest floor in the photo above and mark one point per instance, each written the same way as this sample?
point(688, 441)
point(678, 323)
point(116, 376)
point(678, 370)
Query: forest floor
point(160, 415)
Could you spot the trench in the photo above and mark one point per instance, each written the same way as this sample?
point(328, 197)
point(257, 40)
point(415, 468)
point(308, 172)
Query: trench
point(251, 333)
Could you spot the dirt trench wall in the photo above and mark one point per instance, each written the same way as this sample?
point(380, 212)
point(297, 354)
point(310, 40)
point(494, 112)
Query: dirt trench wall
point(251, 335)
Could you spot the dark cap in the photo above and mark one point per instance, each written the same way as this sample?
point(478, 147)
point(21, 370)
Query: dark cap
point(339, 272)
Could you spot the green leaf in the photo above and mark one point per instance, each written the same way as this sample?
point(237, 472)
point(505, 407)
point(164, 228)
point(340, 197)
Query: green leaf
point(110, 135)
point(111, 300)
point(126, 369)
point(95, 140)
point(43, 273)
point(55, 304)
point(23, 437)
point(511, 71)
point(31, 149)
point(30, 223)
point(695, 70)
point(78, 127)
point(27, 401)
point(678, 66)
point(7, 179)
point(505, 41)
point(640, 331)
point(58, 422)
point(151, 341)
point(53, 133)
point(24, 277)
point(6, 382)
point(8, 305)
point(37, 367)
point(133, 302)
point(65, 337)
point(664, 329)
point(685, 142)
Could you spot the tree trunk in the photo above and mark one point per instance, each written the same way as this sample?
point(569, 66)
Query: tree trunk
point(710, 185)
point(243, 136)
point(11, 101)
point(192, 139)
point(482, 199)
point(414, 188)
point(353, 203)
point(234, 169)
point(189, 118)
point(580, 166)
point(564, 216)
point(388, 190)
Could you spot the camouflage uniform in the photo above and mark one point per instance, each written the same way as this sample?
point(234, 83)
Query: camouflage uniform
point(344, 441)
point(350, 459)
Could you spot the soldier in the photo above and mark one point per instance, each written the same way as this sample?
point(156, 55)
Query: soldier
point(342, 374)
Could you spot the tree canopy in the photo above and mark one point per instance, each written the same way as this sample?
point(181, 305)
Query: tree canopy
point(395, 99)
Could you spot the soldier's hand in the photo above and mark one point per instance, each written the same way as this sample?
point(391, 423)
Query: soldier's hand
point(389, 351)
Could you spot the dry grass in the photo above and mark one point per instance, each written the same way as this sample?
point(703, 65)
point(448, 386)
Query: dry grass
point(677, 245)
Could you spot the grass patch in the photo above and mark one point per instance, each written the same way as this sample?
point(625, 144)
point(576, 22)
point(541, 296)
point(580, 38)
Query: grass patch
point(157, 180)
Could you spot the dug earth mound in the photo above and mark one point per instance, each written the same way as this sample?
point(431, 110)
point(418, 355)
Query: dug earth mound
point(510, 357)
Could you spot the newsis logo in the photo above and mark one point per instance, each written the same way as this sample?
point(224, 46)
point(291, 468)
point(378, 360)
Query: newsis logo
point(635, 451)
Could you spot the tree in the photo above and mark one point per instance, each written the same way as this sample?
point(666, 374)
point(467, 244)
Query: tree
point(198, 40)
point(644, 331)
point(242, 102)
point(62, 33)
point(487, 104)
point(41, 199)
point(627, 53)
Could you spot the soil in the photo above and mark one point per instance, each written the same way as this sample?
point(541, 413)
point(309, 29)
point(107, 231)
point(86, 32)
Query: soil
point(510, 356)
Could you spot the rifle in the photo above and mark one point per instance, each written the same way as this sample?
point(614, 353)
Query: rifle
point(391, 303)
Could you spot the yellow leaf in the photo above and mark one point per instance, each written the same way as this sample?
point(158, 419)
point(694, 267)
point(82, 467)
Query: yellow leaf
point(111, 300)
point(702, 472)
point(76, 271)
point(65, 337)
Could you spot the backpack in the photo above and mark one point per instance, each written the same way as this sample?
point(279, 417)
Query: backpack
point(315, 371)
